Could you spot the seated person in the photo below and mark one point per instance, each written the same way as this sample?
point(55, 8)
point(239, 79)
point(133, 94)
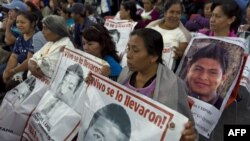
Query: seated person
point(149, 13)
point(56, 33)
point(147, 75)
point(99, 43)
point(198, 21)
point(17, 66)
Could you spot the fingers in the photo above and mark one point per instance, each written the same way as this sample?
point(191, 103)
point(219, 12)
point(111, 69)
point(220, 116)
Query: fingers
point(62, 49)
point(89, 79)
point(105, 71)
point(5, 79)
point(40, 73)
point(178, 53)
point(189, 133)
point(6, 76)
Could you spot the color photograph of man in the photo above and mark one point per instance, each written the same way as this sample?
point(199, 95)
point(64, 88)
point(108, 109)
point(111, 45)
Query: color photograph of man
point(207, 71)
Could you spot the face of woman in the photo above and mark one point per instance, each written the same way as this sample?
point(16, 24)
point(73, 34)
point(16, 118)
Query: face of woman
point(207, 10)
point(49, 35)
point(24, 25)
point(92, 47)
point(138, 58)
point(147, 5)
point(219, 21)
point(173, 15)
point(124, 14)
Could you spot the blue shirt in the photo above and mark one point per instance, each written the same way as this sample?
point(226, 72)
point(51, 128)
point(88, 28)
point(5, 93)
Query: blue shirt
point(22, 47)
point(115, 67)
point(70, 22)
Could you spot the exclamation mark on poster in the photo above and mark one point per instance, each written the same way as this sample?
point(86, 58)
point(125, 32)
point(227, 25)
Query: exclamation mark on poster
point(163, 121)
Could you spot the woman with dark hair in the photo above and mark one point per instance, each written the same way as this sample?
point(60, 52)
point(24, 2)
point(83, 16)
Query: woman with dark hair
point(173, 32)
point(225, 19)
point(128, 11)
point(99, 43)
point(246, 27)
point(200, 21)
point(17, 66)
point(147, 75)
point(149, 13)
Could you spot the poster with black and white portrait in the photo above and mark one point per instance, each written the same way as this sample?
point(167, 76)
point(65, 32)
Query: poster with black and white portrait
point(18, 104)
point(58, 114)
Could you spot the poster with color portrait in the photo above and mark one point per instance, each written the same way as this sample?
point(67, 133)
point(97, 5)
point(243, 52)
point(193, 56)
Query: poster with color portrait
point(210, 67)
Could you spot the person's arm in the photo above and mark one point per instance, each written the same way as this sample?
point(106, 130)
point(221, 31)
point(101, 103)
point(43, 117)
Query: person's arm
point(9, 39)
point(8, 72)
point(38, 41)
point(35, 69)
point(4, 24)
point(179, 51)
point(24, 65)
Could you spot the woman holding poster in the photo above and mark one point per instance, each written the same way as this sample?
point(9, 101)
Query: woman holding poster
point(44, 61)
point(99, 43)
point(147, 75)
point(175, 35)
point(128, 11)
point(225, 19)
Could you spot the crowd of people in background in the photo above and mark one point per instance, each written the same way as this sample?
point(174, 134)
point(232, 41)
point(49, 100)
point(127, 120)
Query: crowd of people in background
point(34, 31)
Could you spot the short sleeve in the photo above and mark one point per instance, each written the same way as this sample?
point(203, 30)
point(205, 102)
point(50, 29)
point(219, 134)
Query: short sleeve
point(16, 47)
point(29, 46)
point(38, 41)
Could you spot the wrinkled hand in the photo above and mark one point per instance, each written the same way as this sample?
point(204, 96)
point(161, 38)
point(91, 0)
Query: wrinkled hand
point(35, 70)
point(189, 133)
point(178, 52)
point(7, 75)
point(89, 79)
point(62, 49)
point(105, 71)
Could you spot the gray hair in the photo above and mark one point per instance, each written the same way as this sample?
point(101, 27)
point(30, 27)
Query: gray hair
point(56, 24)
